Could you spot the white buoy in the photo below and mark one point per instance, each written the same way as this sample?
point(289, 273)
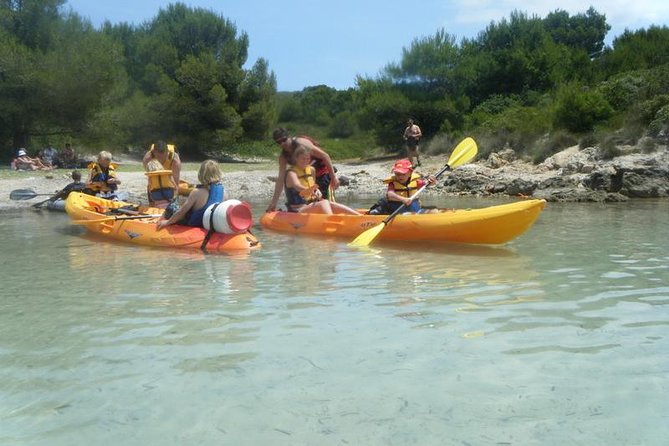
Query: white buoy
point(230, 217)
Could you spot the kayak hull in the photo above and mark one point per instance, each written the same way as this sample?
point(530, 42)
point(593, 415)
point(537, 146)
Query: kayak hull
point(144, 232)
point(490, 225)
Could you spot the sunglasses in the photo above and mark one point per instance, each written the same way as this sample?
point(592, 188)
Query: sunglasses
point(281, 140)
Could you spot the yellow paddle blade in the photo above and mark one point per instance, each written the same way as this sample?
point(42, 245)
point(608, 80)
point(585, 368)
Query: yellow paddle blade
point(463, 153)
point(368, 236)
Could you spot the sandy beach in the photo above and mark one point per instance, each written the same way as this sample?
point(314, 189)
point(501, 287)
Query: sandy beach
point(570, 175)
point(359, 178)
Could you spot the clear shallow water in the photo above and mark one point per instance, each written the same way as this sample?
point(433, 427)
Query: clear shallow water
point(559, 337)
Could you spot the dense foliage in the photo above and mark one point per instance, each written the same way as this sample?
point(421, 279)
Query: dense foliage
point(525, 82)
point(178, 77)
point(530, 83)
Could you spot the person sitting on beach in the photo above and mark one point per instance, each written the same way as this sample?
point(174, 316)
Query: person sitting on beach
point(326, 177)
point(24, 162)
point(302, 191)
point(209, 191)
point(67, 157)
point(49, 156)
point(402, 185)
point(160, 188)
point(75, 186)
point(102, 179)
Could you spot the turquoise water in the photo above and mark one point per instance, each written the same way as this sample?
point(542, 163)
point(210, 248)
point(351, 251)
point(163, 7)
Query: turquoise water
point(560, 337)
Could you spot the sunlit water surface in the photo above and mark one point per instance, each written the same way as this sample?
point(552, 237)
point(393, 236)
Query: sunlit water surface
point(560, 337)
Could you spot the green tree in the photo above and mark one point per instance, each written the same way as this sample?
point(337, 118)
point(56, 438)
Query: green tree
point(257, 104)
point(635, 50)
point(188, 63)
point(53, 80)
point(581, 31)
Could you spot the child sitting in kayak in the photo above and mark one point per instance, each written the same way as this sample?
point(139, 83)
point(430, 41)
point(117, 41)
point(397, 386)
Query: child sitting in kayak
point(302, 192)
point(209, 191)
point(75, 186)
point(402, 185)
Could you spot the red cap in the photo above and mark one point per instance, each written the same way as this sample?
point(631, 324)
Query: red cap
point(403, 166)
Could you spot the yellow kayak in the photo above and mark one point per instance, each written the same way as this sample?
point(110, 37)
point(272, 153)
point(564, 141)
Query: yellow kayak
point(137, 224)
point(490, 225)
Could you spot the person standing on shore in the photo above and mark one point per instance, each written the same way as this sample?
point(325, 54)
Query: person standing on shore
point(412, 135)
point(326, 177)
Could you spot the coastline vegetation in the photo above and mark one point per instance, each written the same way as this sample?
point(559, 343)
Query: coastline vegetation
point(529, 83)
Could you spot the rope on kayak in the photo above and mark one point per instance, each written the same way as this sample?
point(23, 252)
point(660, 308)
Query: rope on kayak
point(211, 231)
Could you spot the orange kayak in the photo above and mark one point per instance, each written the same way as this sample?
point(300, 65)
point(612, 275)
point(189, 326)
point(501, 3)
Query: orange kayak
point(114, 220)
point(490, 225)
point(185, 188)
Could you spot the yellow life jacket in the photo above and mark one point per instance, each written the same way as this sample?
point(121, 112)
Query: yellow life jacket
point(99, 178)
point(405, 190)
point(160, 179)
point(306, 177)
point(171, 150)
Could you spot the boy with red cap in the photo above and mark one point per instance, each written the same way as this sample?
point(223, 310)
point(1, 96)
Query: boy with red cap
point(403, 183)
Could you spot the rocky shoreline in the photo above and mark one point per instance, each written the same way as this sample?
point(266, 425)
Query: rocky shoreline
point(572, 175)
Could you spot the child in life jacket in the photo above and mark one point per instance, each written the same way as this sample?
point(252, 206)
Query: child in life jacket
point(160, 187)
point(301, 189)
point(402, 185)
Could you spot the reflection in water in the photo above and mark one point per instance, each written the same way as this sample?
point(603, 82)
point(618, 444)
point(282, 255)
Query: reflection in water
point(307, 341)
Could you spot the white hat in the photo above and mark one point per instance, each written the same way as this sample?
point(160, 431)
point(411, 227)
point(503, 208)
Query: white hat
point(22, 152)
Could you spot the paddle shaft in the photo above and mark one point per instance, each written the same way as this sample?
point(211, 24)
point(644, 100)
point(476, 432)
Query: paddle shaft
point(40, 203)
point(123, 217)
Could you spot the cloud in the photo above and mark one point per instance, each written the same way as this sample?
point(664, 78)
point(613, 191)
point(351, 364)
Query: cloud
point(477, 14)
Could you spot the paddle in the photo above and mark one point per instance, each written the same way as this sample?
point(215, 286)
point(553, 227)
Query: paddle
point(463, 153)
point(122, 217)
point(40, 203)
point(24, 194)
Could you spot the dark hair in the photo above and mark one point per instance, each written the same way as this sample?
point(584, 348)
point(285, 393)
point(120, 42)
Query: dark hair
point(279, 133)
point(76, 175)
point(161, 146)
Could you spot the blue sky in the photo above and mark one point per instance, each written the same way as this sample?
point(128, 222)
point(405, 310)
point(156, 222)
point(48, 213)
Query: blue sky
point(308, 42)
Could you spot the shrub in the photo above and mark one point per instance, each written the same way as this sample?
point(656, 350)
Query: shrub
point(589, 140)
point(343, 125)
point(608, 149)
point(660, 122)
point(555, 142)
point(580, 109)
